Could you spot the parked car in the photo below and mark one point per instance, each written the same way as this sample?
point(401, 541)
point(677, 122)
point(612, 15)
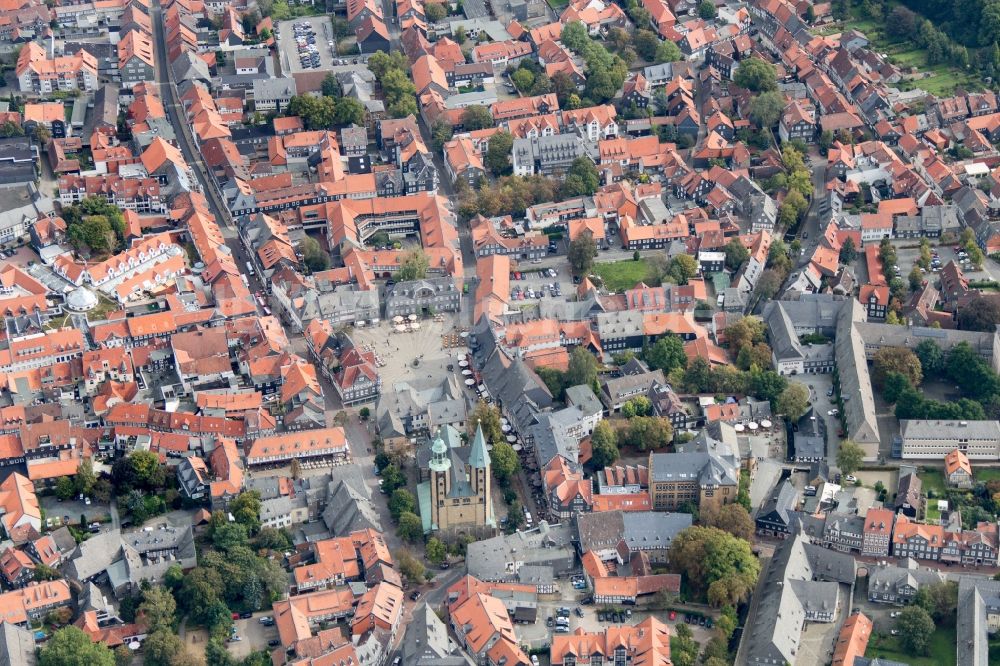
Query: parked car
point(578, 611)
point(246, 614)
point(274, 642)
point(672, 616)
point(414, 595)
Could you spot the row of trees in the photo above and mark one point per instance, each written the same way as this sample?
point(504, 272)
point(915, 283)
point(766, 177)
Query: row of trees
point(327, 111)
point(898, 372)
point(512, 195)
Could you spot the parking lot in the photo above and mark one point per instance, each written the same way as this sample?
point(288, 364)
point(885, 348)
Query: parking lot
point(908, 255)
point(253, 635)
point(538, 634)
point(306, 44)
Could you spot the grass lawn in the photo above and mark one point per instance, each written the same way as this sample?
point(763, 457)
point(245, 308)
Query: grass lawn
point(625, 274)
point(932, 514)
point(942, 649)
point(985, 474)
point(933, 479)
point(104, 306)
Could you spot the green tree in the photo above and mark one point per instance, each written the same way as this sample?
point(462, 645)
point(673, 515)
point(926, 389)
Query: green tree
point(683, 647)
point(410, 567)
point(523, 79)
point(315, 257)
point(715, 563)
point(9, 129)
point(849, 456)
point(756, 75)
point(69, 646)
point(94, 232)
point(317, 113)
point(230, 535)
point(604, 445)
point(896, 359)
point(487, 417)
point(413, 266)
point(380, 62)
point(915, 278)
point(477, 118)
point(140, 469)
point(646, 433)
point(707, 10)
point(667, 51)
point(271, 538)
point(915, 627)
point(765, 109)
point(392, 478)
point(435, 11)
point(582, 367)
point(794, 401)
point(65, 488)
point(980, 314)
point(162, 648)
point(682, 268)
point(499, 152)
point(410, 528)
point(349, 111)
point(401, 502)
point(159, 607)
point(436, 551)
point(582, 178)
point(767, 385)
point(646, 43)
point(745, 333)
point(931, 358)
point(848, 252)
point(666, 354)
point(736, 254)
point(505, 462)
point(85, 478)
point(331, 86)
point(730, 518)
point(441, 133)
point(940, 600)
point(582, 251)
point(246, 510)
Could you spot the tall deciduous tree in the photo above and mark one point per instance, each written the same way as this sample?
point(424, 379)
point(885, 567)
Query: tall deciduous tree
point(582, 367)
point(896, 359)
point(71, 647)
point(582, 251)
point(716, 563)
point(505, 462)
point(756, 75)
point(498, 153)
point(915, 627)
point(849, 456)
point(604, 445)
point(794, 401)
point(666, 354)
point(414, 266)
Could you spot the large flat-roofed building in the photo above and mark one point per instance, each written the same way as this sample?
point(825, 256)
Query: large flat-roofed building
point(931, 438)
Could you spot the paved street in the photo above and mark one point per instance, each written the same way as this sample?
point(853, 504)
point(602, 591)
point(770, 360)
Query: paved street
point(168, 94)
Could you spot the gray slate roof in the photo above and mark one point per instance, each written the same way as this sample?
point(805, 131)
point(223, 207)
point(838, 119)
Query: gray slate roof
point(977, 599)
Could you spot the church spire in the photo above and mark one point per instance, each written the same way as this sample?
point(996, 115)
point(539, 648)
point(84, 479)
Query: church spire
point(440, 461)
point(479, 457)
